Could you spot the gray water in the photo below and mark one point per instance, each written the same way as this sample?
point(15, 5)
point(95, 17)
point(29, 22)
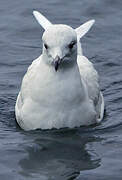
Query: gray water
point(92, 153)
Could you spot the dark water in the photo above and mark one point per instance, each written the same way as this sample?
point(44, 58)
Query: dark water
point(93, 153)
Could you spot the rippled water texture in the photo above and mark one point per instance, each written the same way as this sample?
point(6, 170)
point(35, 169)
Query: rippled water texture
point(93, 153)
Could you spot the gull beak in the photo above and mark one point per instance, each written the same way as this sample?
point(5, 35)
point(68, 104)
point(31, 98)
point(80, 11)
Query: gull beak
point(57, 61)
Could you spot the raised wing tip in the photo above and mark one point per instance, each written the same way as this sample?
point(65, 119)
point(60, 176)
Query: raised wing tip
point(84, 28)
point(35, 12)
point(92, 21)
point(42, 20)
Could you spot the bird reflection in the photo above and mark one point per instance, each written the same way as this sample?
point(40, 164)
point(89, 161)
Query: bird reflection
point(58, 155)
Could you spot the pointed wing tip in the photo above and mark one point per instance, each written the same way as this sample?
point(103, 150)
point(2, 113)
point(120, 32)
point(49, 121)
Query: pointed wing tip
point(92, 21)
point(84, 28)
point(41, 19)
point(35, 12)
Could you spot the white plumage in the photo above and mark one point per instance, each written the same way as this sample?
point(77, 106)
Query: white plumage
point(60, 88)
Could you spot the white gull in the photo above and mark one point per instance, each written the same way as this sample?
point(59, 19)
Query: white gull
point(61, 87)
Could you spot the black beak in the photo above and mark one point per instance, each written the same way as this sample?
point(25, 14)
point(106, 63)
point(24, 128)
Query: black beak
point(57, 61)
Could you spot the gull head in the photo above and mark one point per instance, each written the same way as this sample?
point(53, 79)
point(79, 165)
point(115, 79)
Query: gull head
point(59, 45)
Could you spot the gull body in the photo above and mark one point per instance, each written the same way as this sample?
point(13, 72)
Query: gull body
point(60, 88)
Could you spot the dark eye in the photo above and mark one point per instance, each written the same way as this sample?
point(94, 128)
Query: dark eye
point(71, 44)
point(46, 46)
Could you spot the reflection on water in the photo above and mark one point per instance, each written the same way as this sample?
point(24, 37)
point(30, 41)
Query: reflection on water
point(58, 155)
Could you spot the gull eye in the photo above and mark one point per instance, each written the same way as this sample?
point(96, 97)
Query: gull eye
point(46, 46)
point(71, 44)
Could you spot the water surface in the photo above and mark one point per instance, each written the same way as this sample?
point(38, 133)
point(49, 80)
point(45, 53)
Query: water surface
point(93, 153)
